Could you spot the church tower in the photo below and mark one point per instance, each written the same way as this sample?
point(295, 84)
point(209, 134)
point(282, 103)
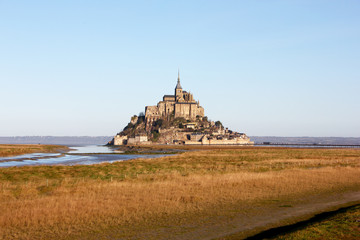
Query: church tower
point(178, 88)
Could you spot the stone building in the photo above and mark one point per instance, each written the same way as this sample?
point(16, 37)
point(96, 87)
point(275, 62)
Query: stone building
point(181, 104)
point(193, 129)
point(125, 140)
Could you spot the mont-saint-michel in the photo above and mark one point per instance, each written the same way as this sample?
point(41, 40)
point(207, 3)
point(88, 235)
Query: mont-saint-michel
point(177, 119)
point(74, 73)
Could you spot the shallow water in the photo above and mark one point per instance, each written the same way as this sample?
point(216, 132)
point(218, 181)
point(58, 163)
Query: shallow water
point(93, 149)
point(83, 155)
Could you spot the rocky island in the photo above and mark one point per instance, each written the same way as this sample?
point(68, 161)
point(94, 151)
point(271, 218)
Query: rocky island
point(177, 119)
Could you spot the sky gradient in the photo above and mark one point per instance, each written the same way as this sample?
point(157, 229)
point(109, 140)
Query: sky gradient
point(266, 68)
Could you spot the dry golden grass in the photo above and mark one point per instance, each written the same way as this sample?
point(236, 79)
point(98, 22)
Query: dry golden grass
point(16, 149)
point(77, 201)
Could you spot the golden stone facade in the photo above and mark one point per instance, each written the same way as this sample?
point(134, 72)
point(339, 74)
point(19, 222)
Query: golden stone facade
point(181, 104)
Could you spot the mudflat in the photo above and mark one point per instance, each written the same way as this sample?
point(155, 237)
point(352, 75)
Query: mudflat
point(225, 193)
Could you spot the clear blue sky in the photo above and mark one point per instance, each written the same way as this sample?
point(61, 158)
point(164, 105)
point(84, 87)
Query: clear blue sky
point(266, 68)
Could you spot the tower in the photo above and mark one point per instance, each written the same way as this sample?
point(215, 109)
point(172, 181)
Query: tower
point(178, 88)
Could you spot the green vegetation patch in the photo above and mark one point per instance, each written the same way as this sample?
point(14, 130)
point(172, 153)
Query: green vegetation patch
point(345, 225)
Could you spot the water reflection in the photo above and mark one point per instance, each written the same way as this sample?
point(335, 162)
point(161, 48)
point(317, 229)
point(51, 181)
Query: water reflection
point(96, 154)
point(94, 149)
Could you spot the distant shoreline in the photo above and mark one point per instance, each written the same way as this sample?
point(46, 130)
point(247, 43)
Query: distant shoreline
point(102, 140)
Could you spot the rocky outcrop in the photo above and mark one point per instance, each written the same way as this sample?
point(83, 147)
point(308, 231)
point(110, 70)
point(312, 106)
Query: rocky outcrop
point(178, 131)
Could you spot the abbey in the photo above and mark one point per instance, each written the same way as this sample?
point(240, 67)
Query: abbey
point(181, 105)
point(177, 119)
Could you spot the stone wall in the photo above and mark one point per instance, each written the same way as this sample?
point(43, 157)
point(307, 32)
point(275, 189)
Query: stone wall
point(188, 110)
point(206, 141)
point(166, 108)
point(120, 140)
point(169, 98)
point(200, 111)
point(152, 111)
point(235, 141)
point(137, 140)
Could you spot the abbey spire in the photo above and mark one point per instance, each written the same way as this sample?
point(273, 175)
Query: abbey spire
point(178, 86)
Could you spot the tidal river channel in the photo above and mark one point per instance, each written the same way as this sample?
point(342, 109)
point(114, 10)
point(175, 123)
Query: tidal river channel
point(82, 155)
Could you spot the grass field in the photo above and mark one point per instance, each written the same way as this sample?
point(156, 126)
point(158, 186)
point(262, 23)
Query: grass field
point(143, 198)
point(16, 149)
point(345, 225)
